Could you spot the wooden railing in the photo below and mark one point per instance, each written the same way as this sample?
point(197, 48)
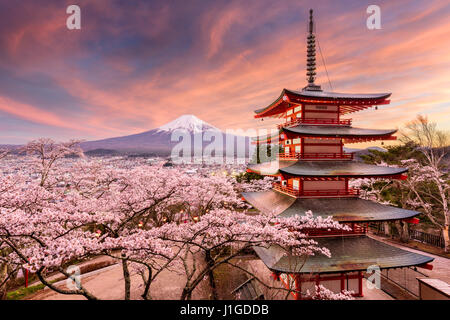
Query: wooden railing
point(316, 121)
point(314, 156)
point(331, 193)
point(289, 156)
point(428, 238)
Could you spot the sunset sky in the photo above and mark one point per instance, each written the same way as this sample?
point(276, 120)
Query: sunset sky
point(136, 65)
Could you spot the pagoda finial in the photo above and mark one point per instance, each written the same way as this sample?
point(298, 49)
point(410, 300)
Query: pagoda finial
point(311, 56)
point(311, 21)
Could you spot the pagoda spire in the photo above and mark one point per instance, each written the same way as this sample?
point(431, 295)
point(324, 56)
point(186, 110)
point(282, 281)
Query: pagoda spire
point(311, 56)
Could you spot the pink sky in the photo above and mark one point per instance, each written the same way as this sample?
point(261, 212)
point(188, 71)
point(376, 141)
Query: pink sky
point(132, 68)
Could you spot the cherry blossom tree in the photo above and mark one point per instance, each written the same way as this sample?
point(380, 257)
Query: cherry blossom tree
point(424, 153)
point(432, 142)
point(434, 145)
point(429, 192)
point(55, 209)
point(257, 185)
point(3, 153)
point(322, 293)
point(223, 234)
point(48, 152)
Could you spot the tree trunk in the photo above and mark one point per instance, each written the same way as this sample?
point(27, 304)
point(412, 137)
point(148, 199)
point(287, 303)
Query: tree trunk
point(147, 282)
point(405, 234)
point(445, 234)
point(126, 278)
point(186, 294)
point(400, 226)
point(212, 282)
point(3, 275)
point(387, 228)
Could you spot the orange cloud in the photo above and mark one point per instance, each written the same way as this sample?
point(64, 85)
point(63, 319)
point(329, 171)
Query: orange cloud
point(31, 113)
point(229, 69)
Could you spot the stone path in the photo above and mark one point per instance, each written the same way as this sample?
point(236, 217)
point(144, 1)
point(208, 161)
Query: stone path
point(108, 284)
point(373, 294)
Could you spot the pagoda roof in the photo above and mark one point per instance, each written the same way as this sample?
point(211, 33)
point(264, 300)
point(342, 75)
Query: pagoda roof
point(270, 202)
point(344, 168)
point(352, 253)
point(269, 168)
point(338, 131)
point(341, 209)
point(349, 102)
point(339, 95)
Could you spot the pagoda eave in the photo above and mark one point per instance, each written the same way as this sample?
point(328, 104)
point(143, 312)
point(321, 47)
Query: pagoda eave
point(322, 170)
point(337, 132)
point(348, 169)
point(349, 102)
point(268, 168)
point(341, 209)
point(348, 254)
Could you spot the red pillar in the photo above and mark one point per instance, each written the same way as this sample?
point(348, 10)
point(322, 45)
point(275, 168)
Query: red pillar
point(298, 287)
point(342, 282)
point(302, 146)
point(301, 185)
point(360, 285)
point(26, 278)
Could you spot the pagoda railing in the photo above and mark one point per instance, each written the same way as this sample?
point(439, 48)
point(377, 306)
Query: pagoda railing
point(327, 193)
point(316, 121)
point(355, 228)
point(314, 156)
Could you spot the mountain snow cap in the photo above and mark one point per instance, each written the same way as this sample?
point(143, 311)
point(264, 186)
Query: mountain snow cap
point(187, 122)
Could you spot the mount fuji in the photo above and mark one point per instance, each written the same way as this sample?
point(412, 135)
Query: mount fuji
point(159, 141)
point(187, 122)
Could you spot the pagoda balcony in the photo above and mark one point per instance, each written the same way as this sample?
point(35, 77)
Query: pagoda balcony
point(294, 156)
point(316, 121)
point(355, 229)
point(331, 193)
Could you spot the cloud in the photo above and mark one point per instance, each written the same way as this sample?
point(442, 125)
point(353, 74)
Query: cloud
point(136, 66)
point(35, 115)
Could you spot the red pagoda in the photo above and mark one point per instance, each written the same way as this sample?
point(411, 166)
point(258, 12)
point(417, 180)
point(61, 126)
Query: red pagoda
point(313, 172)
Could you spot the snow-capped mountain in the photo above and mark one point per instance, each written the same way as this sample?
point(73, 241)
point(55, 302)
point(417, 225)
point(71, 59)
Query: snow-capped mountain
point(187, 122)
point(160, 140)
